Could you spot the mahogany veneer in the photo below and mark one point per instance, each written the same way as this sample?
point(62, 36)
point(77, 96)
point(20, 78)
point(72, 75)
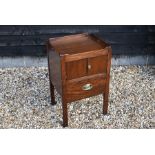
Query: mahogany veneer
point(79, 67)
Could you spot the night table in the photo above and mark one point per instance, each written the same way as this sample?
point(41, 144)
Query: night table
point(79, 67)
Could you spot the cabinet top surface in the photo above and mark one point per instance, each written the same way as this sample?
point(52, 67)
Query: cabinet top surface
point(76, 44)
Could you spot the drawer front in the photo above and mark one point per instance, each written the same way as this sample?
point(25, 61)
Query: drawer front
point(88, 66)
point(76, 90)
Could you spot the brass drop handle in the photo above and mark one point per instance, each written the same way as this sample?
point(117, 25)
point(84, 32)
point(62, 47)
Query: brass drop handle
point(87, 86)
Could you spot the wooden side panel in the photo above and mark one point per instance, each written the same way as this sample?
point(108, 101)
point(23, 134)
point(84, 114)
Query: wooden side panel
point(55, 70)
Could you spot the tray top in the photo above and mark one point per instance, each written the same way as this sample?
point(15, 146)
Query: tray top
point(77, 43)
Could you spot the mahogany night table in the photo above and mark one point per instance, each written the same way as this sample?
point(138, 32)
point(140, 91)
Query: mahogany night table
point(79, 67)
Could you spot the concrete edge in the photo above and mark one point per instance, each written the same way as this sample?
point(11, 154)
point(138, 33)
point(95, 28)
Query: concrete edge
point(7, 62)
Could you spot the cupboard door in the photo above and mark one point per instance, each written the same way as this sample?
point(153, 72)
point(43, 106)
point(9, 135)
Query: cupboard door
point(97, 65)
point(76, 69)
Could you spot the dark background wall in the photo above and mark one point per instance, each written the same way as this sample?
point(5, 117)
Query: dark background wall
point(30, 40)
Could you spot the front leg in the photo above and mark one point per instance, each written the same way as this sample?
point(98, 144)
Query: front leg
point(65, 112)
point(53, 102)
point(105, 103)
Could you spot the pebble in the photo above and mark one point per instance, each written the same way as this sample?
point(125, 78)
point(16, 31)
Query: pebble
point(25, 101)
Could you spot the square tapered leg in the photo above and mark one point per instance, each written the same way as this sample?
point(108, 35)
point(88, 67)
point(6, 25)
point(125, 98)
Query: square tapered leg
point(65, 112)
point(53, 102)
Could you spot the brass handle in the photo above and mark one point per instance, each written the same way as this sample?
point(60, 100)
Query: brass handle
point(87, 86)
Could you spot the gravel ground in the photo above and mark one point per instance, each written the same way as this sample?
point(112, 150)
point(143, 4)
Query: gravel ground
point(25, 100)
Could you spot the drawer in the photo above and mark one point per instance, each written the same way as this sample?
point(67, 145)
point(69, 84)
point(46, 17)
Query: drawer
point(87, 66)
point(79, 89)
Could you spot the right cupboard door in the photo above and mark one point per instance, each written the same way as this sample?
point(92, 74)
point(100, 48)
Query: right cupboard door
point(97, 65)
